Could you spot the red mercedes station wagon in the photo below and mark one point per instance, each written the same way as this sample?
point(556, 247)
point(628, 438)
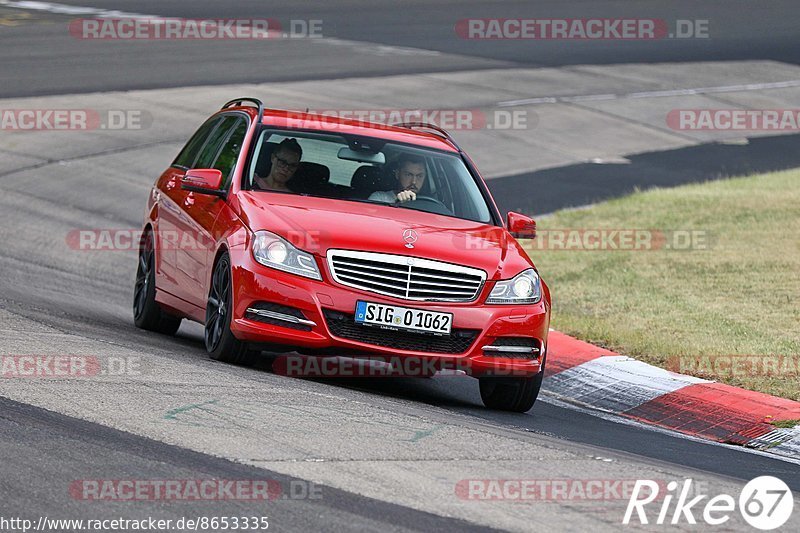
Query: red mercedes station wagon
point(294, 232)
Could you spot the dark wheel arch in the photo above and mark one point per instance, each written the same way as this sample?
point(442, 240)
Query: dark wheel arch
point(220, 342)
point(147, 314)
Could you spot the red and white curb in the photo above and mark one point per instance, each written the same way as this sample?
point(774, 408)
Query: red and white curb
point(593, 377)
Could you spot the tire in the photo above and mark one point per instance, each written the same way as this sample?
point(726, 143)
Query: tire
point(511, 394)
point(220, 342)
point(147, 314)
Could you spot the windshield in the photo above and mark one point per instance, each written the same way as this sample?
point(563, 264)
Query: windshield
point(367, 170)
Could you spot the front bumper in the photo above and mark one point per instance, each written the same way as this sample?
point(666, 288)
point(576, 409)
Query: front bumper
point(320, 302)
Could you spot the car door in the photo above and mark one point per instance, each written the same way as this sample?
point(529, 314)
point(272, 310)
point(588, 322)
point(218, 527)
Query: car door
point(199, 211)
point(169, 199)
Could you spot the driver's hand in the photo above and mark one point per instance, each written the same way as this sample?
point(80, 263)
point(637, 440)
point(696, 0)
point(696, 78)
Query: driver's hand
point(406, 196)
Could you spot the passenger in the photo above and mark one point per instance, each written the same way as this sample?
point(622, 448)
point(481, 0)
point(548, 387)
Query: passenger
point(285, 160)
point(410, 177)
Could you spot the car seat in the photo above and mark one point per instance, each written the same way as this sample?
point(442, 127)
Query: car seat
point(310, 178)
point(366, 180)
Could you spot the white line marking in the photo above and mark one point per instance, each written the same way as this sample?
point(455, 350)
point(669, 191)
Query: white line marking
point(593, 97)
point(652, 94)
point(380, 50)
point(377, 49)
point(64, 9)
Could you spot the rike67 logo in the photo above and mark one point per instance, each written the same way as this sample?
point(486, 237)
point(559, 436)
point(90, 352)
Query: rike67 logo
point(765, 503)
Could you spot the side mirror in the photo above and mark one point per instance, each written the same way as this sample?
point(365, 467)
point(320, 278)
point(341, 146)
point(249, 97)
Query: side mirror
point(203, 181)
point(520, 226)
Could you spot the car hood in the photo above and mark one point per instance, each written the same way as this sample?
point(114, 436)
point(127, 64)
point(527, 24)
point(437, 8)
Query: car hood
point(319, 224)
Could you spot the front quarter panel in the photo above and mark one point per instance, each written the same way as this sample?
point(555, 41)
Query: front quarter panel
point(233, 237)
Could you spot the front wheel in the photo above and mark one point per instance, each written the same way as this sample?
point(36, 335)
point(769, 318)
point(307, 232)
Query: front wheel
point(511, 394)
point(147, 314)
point(220, 342)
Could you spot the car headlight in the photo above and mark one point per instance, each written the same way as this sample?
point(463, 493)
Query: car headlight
point(524, 288)
point(276, 252)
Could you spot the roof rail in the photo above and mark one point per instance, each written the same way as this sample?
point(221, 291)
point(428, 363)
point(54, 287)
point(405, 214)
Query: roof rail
point(438, 131)
point(240, 101)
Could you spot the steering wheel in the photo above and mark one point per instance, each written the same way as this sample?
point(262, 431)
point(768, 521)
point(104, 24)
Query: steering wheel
point(437, 205)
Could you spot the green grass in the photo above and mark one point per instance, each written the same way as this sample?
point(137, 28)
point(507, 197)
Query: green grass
point(788, 424)
point(741, 295)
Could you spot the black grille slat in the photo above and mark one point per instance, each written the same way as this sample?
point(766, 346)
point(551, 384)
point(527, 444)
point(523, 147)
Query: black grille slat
point(416, 281)
point(343, 325)
point(445, 290)
point(529, 342)
point(278, 308)
point(513, 355)
point(375, 287)
point(367, 263)
point(370, 277)
point(427, 272)
point(425, 295)
point(369, 271)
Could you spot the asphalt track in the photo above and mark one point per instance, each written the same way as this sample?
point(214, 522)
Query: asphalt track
point(47, 60)
point(350, 436)
point(27, 438)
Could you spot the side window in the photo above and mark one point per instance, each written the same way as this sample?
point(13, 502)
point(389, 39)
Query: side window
point(230, 151)
point(209, 152)
point(188, 155)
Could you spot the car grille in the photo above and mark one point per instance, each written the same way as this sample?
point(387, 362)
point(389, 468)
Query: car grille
point(409, 278)
point(343, 325)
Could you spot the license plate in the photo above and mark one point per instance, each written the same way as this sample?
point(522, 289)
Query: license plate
point(405, 318)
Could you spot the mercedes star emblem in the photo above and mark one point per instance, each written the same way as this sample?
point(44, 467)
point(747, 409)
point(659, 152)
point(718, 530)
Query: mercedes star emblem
point(410, 236)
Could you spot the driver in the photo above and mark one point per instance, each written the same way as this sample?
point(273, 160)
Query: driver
point(410, 176)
